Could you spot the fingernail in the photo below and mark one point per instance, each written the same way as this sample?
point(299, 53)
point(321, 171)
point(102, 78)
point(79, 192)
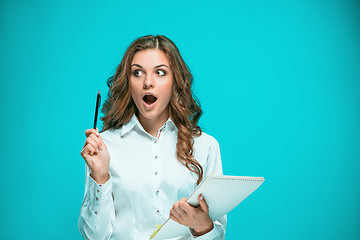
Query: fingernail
point(97, 133)
point(100, 147)
point(201, 197)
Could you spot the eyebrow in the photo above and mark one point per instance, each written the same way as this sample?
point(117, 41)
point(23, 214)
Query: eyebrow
point(139, 66)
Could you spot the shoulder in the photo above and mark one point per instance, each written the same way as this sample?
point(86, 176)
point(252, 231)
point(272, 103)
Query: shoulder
point(206, 149)
point(205, 141)
point(110, 135)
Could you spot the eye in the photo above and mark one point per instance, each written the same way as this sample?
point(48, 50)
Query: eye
point(161, 72)
point(137, 73)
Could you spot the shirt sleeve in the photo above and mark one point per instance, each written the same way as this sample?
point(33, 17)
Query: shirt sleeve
point(213, 166)
point(97, 214)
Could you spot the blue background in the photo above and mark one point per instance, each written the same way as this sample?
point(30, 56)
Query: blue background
point(278, 82)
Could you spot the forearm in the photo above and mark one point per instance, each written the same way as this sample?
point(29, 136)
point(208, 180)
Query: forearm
point(97, 213)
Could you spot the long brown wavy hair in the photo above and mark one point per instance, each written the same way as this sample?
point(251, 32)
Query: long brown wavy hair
point(184, 107)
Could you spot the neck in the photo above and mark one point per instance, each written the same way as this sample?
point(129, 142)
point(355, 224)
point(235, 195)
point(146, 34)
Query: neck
point(153, 125)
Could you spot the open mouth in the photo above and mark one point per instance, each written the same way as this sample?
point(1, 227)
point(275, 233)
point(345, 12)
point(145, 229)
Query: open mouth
point(149, 99)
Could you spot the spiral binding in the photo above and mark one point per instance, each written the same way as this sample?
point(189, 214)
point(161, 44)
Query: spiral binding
point(226, 177)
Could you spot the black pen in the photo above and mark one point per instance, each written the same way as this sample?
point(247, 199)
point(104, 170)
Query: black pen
point(98, 102)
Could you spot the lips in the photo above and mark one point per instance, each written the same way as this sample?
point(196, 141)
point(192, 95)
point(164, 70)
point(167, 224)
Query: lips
point(149, 98)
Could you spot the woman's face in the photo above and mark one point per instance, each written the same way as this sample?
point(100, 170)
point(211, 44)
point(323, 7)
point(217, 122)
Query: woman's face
point(151, 84)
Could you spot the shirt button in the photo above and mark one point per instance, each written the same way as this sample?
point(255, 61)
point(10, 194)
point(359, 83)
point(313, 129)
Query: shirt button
point(158, 211)
point(156, 173)
point(156, 157)
point(157, 192)
point(97, 198)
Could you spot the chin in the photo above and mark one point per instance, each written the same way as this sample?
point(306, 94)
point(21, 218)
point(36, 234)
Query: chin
point(153, 113)
point(149, 114)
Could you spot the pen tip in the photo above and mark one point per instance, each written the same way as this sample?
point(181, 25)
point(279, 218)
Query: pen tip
point(98, 91)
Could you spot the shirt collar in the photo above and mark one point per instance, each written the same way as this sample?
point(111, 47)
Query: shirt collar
point(134, 121)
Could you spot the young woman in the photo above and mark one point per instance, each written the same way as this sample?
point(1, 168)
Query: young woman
point(151, 154)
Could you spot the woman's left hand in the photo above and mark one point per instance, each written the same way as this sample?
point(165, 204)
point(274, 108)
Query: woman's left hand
point(196, 218)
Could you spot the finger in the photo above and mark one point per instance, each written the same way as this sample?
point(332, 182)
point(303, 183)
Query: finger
point(91, 130)
point(102, 142)
point(174, 218)
point(96, 139)
point(86, 143)
point(98, 134)
point(85, 157)
point(186, 207)
point(89, 150)
point(175, 214)
point(203, 204)
point(179, 210)
point(102, 145)
point(93, 143)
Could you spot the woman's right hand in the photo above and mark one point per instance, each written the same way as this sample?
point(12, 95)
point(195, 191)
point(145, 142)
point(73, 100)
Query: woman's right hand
point(96, 156)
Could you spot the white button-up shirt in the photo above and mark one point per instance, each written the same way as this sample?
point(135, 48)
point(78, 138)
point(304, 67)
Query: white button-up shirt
point(146, 179)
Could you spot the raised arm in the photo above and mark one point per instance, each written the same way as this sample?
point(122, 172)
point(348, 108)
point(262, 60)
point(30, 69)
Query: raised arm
point(97, 214)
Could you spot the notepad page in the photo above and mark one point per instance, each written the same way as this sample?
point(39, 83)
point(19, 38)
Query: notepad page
point(222, 194)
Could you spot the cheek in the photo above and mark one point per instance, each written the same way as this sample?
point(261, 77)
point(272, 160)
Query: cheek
point(134, 89)
point(168, 89)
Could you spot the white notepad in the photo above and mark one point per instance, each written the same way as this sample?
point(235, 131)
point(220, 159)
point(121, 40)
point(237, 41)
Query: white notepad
point(222, 193)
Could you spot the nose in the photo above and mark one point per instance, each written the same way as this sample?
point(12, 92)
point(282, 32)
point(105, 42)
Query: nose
point(149, 82)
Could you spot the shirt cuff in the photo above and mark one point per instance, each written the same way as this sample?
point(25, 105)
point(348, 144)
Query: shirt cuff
point(210, 235)
point(100, 194)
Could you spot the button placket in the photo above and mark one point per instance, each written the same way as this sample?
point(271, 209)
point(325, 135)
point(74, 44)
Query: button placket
point(156, 164)
point(156, 181)
point(160, 132)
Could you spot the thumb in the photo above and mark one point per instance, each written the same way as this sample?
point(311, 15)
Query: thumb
point(203, 204)
point(102, 142)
